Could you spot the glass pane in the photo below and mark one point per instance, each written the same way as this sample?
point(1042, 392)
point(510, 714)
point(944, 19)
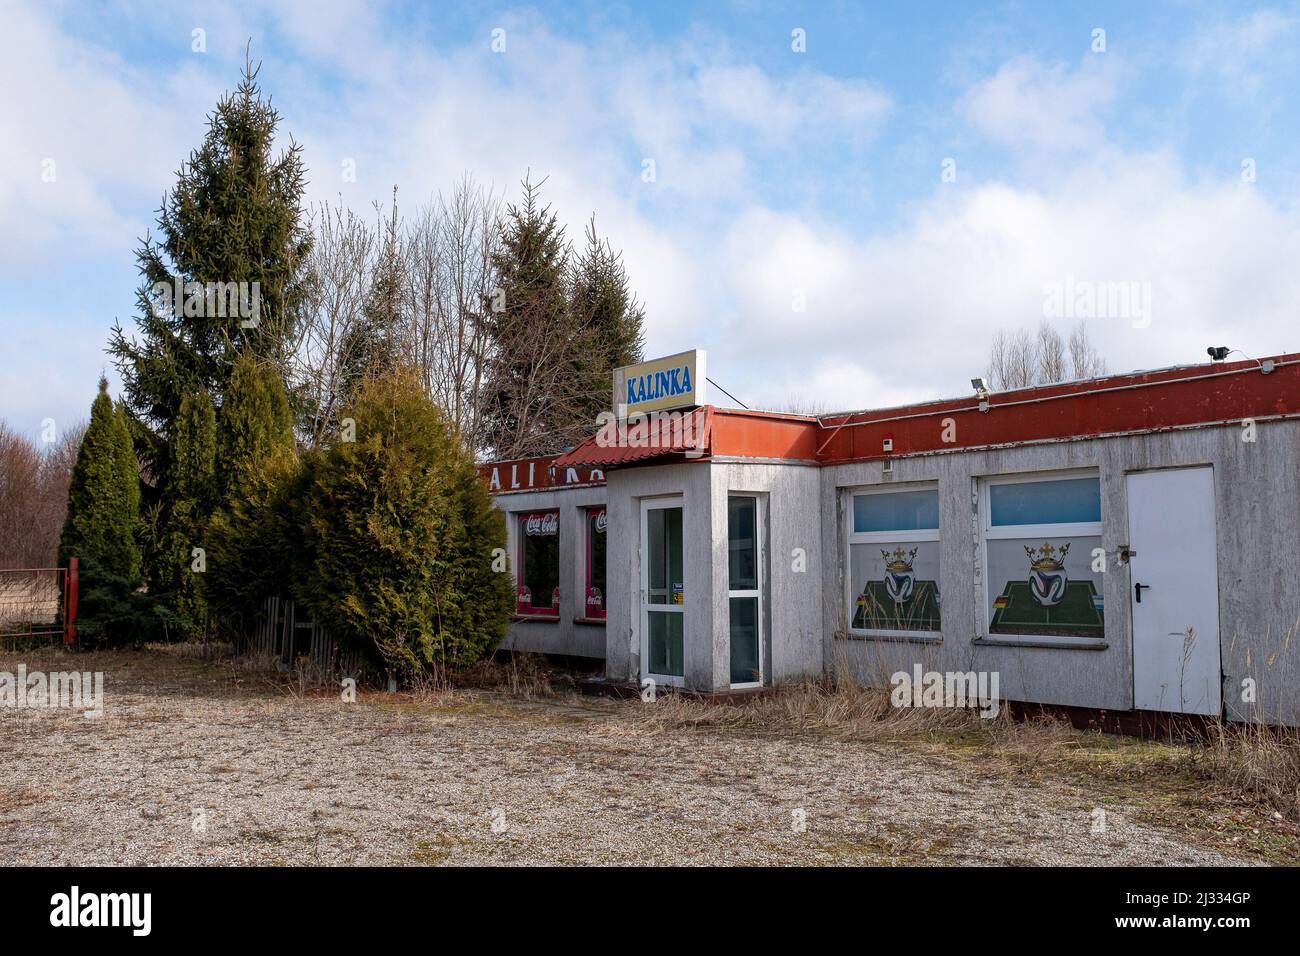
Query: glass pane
point(665, 643)
point(539, 576)
point(1068, 500)
point(742, 546)
point(664, 552)
point(1039, 587)
point(744, 641)
point(895, 587)
point(896, 511)
point(596, 524)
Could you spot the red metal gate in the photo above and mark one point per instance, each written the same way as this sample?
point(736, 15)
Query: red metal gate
point(38, 602)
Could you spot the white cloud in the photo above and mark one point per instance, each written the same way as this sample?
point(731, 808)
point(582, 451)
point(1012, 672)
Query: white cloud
point(1237, 53)
point(109, 130)
point(910, 315)
point(1029, 104)
point(806, 104)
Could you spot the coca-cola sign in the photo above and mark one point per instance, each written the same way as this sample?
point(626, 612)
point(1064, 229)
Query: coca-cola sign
point(601, 520)
point(542, 523)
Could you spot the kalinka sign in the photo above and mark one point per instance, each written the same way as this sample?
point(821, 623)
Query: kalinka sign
point(536, 474)
point(674, 381)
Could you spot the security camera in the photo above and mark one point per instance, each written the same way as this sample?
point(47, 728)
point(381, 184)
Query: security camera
point(1217, 353)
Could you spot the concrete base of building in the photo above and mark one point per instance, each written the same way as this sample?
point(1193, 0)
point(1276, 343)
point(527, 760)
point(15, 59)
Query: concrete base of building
point(629, 690)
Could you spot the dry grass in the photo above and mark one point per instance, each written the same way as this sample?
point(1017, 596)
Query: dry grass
point(842, 707)
point(518, 675)
point(194, 650)
point(522, 676)
point(1254, 763)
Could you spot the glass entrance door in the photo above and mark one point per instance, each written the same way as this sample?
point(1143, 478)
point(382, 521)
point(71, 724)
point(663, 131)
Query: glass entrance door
point(663, 591)
point(744, 589)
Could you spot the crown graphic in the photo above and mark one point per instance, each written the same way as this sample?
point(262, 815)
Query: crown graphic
point(902, 560)
point(1047, 558)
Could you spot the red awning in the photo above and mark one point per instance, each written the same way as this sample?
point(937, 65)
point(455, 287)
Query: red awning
point(684, 434)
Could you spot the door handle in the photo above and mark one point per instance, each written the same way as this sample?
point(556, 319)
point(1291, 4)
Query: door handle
point(1137, 589)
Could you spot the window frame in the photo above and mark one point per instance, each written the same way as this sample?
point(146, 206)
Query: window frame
point(582, 614)
point(755, 592)
point(645, 607)
point(852, 537)
point(990, 532)
point(521, 534)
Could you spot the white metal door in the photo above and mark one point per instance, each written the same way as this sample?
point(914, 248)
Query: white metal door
point(1174, 591)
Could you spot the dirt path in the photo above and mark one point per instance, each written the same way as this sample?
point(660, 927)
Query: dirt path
point(173, 776)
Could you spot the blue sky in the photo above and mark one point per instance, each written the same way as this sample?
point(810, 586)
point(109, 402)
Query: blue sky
point(799, 225)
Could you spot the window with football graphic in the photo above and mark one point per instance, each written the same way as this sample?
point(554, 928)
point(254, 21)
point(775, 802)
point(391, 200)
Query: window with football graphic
point(894, 561)
point(1041, 577)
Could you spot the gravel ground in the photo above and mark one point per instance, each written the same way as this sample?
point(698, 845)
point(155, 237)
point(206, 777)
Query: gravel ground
point(237, 772)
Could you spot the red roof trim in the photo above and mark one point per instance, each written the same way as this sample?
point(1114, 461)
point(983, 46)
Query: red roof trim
point(684, 435)
point(1138, 402)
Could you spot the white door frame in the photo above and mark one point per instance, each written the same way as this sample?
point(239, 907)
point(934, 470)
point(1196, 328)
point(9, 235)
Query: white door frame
point(648, 505)
point(759, 527)
point(1170, 675)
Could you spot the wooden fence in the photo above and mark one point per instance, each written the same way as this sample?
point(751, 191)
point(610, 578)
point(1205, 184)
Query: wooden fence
point(287, 636)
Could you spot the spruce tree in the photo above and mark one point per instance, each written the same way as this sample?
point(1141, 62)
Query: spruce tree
point(103, 515)
point(534, 404)
point(610, 317)
point(371, 345)
point(234, 216)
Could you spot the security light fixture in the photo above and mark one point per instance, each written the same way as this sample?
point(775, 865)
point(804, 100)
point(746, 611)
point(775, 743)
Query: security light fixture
point(1217, 353)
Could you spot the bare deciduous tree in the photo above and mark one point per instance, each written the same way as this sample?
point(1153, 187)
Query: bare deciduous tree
point(512, 334)
point(1027, 357)
point(425, 280)
point(1085, 360)
point(33, 497)
point(451, 245)
point(339, 269)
